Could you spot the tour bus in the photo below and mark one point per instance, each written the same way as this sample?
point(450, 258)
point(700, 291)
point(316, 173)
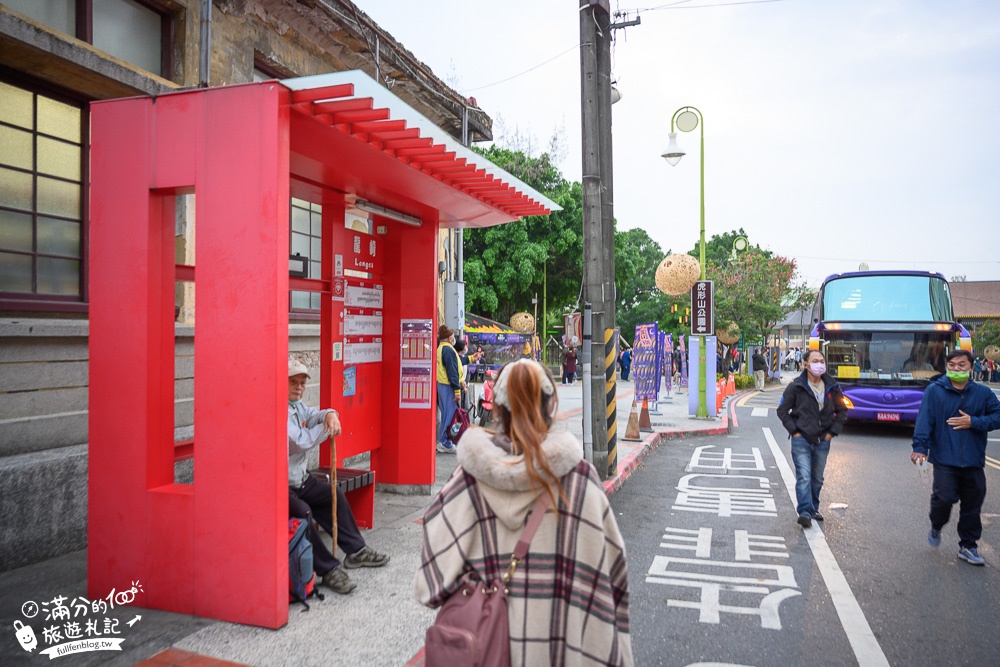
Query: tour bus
point(885, 335)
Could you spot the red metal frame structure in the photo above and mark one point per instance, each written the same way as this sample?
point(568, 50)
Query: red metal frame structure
point(243, 151)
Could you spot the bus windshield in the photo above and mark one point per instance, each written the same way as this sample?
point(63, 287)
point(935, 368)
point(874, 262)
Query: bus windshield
point(876, 298)
point(885, 358)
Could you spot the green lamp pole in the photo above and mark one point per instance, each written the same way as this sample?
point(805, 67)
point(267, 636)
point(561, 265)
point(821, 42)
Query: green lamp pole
point(687, 119)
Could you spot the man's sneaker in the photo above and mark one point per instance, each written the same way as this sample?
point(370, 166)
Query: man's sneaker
point(338, 581)
point(446, 449)
point(366, 557)
point(934, 537)
point(971, 556)
point(805, 521)
point(817, 516)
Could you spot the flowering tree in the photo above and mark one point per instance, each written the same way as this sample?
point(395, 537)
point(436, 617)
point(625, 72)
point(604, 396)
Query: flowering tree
point(756, 289)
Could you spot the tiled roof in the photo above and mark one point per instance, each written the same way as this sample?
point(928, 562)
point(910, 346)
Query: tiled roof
point(976, 299)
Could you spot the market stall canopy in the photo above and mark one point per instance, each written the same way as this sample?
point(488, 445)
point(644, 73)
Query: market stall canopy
point(476, 324)
point(350, 133)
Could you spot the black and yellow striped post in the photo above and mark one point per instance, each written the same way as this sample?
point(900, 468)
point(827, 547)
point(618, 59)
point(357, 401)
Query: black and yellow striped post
point(611, 389)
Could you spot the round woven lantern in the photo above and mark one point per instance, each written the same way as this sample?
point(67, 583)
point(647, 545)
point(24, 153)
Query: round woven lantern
point(522, 322)
point(992, 352)
point(782, 344)
point(677, 274)
point(728, 333)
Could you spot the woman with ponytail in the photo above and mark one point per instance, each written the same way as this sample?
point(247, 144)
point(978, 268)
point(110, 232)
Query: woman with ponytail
point(568, 601)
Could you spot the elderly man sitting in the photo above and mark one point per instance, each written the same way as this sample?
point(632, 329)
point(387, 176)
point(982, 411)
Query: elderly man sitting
point(308, 497)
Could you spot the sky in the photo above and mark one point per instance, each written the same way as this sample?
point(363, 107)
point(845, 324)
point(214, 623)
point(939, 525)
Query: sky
point(836, 133)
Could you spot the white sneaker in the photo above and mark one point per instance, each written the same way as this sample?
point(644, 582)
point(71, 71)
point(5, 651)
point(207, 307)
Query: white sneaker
point(446, 449)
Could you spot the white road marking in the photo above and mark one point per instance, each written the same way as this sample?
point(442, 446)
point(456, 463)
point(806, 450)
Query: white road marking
point(866, 648)
point(759, 412)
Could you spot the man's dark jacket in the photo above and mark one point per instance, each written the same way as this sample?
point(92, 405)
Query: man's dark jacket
point(800, 413)
point(759, 362)
point(964, 448)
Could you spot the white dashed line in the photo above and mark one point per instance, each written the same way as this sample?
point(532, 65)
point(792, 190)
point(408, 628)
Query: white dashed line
point(759, 412)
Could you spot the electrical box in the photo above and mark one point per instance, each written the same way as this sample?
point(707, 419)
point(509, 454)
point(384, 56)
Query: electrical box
point(454, 305)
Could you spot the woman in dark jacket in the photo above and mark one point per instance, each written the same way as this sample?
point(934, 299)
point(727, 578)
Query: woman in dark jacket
point(813, 411)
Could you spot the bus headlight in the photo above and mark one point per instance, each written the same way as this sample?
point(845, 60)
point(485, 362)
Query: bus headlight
point(848, 404)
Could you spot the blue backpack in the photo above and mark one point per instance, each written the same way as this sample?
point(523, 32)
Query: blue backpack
point(301, 578)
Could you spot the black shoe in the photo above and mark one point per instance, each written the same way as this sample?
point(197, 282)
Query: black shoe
point(805, 521)
point(817, 516)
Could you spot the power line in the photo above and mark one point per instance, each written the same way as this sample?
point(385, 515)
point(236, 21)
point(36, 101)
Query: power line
point(546, 62)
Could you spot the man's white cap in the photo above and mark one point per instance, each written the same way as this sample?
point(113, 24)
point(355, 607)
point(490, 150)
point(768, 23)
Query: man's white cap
point(296, 367)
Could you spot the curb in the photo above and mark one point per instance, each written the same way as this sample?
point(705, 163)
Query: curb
point(652, 441)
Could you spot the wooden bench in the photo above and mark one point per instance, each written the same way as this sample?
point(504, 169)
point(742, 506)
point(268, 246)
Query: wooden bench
point(359, 487)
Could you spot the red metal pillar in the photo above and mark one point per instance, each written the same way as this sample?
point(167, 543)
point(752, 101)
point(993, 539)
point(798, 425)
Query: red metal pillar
point(191, 546)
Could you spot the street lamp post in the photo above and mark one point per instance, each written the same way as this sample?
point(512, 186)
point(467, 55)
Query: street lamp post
point(687, 119)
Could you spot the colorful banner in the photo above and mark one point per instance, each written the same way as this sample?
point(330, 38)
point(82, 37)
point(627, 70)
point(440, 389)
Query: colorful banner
point(668, 362)
point(682, 361)
point(644, 362)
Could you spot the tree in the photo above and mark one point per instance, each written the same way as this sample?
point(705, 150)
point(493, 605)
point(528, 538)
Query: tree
point(637, 298)
point(719, 249)
point(756, 290)
point(506, 265)
point(986, 334)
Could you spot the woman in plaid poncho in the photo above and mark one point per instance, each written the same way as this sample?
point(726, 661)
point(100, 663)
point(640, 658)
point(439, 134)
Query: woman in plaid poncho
point(568, 601)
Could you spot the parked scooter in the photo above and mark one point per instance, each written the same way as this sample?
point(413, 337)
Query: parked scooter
point(484, 407)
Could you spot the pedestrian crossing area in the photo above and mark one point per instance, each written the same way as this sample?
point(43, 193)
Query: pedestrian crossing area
point(760, 403)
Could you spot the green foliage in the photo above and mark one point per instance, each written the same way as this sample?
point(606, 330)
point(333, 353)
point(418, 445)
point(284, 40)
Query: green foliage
point(506, 265)
point(756, 290)
point(637, 298)
point(986, 334)
point(719, 249)
point(743, 381)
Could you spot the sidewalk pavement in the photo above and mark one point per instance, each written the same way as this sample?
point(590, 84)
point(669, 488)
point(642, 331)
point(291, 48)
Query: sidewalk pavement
point(378, 624)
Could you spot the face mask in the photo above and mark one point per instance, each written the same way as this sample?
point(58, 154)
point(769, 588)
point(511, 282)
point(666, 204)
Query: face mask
point(958, 376)
point(295, 404)
point(817, 368)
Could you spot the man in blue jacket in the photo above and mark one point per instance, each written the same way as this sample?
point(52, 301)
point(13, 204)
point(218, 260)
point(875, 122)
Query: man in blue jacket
point(950, 432)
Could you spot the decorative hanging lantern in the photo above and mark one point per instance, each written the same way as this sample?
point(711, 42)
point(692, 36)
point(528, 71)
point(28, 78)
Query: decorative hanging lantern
point(728, 333)
point(522, 322)
point(992, 352)
point(677, 274)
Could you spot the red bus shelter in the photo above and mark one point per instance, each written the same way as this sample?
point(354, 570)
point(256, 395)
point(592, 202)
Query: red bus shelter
point(339, 140)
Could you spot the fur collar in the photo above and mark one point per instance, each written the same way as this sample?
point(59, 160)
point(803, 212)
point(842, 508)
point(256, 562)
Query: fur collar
point(494, 466)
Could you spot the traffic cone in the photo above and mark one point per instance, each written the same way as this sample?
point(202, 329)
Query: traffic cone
point(732, 385)
point(718, 397)
point(632, 430)
point(644, 424)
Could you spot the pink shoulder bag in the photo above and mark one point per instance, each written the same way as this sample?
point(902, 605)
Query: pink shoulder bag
point(471, 629)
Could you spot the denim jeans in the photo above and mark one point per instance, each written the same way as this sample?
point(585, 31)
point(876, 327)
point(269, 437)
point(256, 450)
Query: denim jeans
point(810, 461)
point(952, 485)
point(447, 405)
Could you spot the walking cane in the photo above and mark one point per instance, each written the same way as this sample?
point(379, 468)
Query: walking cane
point(333, 490)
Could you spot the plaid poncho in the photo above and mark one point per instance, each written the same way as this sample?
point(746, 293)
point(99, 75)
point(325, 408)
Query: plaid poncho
point(568, 601)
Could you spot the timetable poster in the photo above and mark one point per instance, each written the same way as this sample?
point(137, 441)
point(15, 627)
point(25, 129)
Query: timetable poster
point(416, 368)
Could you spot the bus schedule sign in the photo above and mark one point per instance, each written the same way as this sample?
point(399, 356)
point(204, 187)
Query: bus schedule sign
point(702, 309)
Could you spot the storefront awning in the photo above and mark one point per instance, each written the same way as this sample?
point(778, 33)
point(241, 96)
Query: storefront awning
point(396, 157)
point(476, 324)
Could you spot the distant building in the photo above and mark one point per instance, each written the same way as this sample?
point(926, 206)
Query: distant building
point(57, 57)
point(976, 301)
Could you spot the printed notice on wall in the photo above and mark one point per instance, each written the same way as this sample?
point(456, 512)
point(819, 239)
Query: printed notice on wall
point(363, 325)
point(364, 297)
point(362, 353)
point(416, 363)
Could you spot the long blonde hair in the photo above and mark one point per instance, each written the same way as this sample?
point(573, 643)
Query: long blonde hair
point(528, 420)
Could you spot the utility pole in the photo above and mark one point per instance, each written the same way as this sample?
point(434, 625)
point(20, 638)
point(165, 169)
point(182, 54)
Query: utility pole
point(598, 227)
